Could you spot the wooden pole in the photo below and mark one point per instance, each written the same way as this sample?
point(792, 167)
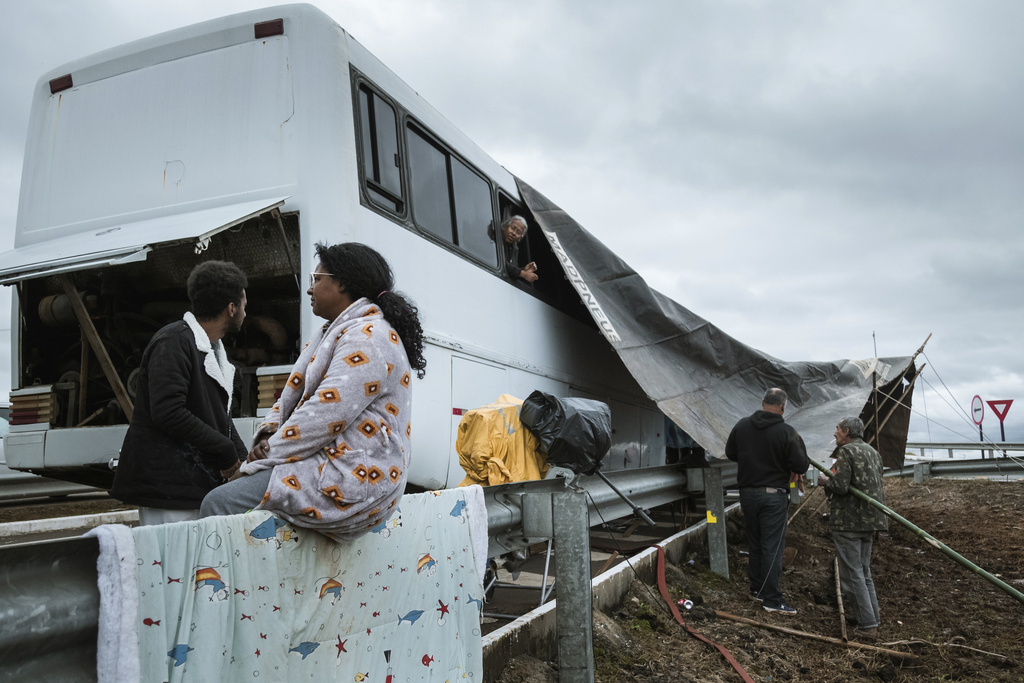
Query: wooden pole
point(934, 542)
point(921, 349)
point(83, 377)
point(607, 563)
point(87, 420)
point(874, 399)
point(803, 504)
point(910, 385)
point(917, 353)
point(815, 636)
point(839, 599)
point(89, 330)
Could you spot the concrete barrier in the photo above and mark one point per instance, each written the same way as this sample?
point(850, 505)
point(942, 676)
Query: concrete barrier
point(534, 633)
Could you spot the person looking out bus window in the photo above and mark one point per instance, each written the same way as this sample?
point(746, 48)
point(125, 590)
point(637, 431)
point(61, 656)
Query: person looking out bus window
point(181, 442)
point(513, 230)
point(333, 453)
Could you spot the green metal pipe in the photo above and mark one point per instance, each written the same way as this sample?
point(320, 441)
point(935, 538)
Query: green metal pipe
point(934, 542)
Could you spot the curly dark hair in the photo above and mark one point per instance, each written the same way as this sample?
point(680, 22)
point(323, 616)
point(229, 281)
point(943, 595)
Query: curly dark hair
point(212, 285)
point(365, 273)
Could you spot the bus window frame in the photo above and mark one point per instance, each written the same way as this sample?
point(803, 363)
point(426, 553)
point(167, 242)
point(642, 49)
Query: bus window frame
point(367, 183)
point(416, 127)
point(406, 218)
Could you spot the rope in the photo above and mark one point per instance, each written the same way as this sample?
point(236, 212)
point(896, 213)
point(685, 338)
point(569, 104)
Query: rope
point(956, 407)
point(960, 408)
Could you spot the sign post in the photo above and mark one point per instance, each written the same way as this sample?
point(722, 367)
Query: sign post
point(978, 414)
point(1001, 408)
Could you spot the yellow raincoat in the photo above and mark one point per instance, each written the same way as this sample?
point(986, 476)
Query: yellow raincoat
point(495, 448)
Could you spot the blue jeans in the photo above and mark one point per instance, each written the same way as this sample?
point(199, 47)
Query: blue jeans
point(764, 515)
point(853, 548)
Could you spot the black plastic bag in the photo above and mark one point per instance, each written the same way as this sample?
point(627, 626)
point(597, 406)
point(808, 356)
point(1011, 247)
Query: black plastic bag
point(575, 432)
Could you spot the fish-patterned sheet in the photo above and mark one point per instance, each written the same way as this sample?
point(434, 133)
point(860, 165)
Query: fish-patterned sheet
point(250, 597)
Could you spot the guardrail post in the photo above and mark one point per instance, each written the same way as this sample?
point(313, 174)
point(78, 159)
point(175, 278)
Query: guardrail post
point(573, 617)
point(922, 471)
point(714, 497)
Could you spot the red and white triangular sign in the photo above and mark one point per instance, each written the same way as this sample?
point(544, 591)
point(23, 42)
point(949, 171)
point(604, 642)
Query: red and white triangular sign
point(1000, 408)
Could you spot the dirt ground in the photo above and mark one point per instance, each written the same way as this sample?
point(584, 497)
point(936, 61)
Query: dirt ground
point(67, 506)
point(960, 626)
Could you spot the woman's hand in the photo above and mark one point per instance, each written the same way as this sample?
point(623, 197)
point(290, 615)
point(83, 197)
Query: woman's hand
point(260, 450)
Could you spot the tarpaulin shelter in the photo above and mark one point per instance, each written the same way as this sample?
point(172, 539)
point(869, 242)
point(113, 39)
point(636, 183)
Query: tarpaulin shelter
point(705, 380)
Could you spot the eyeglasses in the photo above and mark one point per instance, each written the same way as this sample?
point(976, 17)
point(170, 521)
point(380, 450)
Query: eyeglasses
point(313, 277)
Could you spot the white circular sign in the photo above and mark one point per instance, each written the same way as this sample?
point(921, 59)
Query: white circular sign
point(977, 410)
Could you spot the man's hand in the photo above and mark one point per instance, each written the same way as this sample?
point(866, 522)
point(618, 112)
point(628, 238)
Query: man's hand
point(260, 451)
point(230, 472)
point(529, 272)
point(822, 479)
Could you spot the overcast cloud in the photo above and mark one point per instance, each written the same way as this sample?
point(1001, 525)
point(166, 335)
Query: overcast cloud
point(800, 173)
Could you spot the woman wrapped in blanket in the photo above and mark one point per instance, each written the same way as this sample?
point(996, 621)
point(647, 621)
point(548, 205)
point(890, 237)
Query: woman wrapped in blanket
point(333, 452)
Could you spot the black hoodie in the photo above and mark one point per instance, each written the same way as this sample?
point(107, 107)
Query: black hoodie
point(767, 450)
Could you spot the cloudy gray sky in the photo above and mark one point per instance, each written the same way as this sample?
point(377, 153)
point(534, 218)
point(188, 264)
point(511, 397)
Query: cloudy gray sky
point(803, 174)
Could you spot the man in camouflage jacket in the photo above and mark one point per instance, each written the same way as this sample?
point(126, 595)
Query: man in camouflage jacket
point(854, 521)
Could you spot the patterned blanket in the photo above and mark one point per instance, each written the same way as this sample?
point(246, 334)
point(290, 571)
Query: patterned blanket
point(249, 597)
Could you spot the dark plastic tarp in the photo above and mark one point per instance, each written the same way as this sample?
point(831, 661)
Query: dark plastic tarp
point(700, 377)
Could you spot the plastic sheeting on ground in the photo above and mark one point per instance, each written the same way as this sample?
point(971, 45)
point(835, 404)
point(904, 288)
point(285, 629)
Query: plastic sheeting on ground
point(700, 377)
point(249, 597)
point(495, 448)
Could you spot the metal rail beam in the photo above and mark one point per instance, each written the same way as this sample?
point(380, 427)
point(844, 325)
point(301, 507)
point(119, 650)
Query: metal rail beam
point(647, 488)
point(992, 447)
point(49, 609)
point(979, 468)
point(49, 601)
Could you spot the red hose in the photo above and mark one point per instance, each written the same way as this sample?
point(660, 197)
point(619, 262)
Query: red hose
point(663, 589)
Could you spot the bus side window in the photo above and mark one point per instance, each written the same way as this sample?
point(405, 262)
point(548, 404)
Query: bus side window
point(428, 186)
point(381, 169)
point(449, 199)
point(473, 213)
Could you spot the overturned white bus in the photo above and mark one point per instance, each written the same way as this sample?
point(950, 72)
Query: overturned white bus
point(253, 137)
point(250, 138)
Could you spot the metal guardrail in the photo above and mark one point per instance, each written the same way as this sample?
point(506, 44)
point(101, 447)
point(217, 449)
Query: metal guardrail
point(994, 449)
point(15, 486)
point(49, 610)
point(49, 601)
point(988, 467)
point(647, 488)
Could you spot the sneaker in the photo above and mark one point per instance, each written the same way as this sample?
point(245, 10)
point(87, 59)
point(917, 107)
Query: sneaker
point(865, 635)
point(781, 608)
point(755, 596)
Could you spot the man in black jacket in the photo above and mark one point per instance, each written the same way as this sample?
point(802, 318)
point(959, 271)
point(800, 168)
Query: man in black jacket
point(181, 442)
point(766, 450)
